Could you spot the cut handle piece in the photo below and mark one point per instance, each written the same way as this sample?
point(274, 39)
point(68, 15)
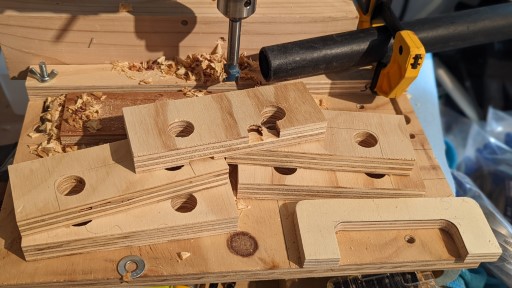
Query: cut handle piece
point(318, 220)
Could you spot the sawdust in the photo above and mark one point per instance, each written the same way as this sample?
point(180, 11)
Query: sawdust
point(183, 255)
point(204, 68)
point(85, 112)
point(190, 92)
point(49, 128)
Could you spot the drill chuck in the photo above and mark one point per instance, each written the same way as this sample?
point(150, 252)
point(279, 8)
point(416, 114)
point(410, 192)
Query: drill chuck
point(236, 9)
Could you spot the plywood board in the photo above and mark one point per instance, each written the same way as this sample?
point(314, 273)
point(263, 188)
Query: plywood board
point(259, 182)
point(82, 185)
point(318, 220)
point(98, 32)
point(208, 212)
point(175, 132)
point(357, 142)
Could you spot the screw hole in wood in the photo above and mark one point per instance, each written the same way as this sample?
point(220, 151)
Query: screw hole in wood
point(410, 239)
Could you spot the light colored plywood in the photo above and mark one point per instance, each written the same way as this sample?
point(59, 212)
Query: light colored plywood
point(360, 142)
point(175, 132)
point(208, 212)
point(259, 182)
point(318, 220)
point(82, 185)
point(97, 32)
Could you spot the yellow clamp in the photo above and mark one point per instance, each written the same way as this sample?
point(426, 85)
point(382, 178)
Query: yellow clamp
point(404, 66)
point(365, 19)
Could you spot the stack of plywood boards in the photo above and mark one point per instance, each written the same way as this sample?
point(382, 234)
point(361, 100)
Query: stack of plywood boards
point(96, 198)
point(271, 223)
point(354, 142)
point(174, 132)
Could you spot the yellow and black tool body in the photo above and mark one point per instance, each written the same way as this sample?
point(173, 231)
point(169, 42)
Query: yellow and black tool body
point(392, 79)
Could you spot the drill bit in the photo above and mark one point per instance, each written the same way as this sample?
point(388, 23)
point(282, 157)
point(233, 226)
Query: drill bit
point(235, 11)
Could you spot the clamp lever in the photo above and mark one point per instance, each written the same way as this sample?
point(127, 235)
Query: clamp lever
point(392, 79)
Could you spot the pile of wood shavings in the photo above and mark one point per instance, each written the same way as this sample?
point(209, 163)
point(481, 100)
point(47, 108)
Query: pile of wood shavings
point(85, 112)
point(205, 68)
point(49, 127)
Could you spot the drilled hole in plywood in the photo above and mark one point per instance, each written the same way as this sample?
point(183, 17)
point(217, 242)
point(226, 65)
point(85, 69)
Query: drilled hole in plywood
point(407, 119)
point(181, 128)
point(82, 223)
point(366, 139)
point(175, 168)
point(412, 136)
point(271, 114)
point(375, 175)
point(70, 185)
point(184, 203)
point(285, 170)
point(410, 239)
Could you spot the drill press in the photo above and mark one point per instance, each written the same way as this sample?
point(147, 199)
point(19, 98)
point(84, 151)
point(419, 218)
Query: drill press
point(235, 11)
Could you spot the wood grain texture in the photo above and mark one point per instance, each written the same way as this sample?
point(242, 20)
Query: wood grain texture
point(96, 32)
point(259, 182)
point(174, 132)
point(100, 77)
point(318, 220)
point(355, 142)
point(208, 212)
point(110, 117)
point(82, 185)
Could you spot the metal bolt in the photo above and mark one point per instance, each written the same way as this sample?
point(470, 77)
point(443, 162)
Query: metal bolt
point(42, 75)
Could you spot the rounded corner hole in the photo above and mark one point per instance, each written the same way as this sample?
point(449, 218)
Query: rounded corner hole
point(271, 114)
point(366, 139)
point(375, 175)
point(82, 223)
point(407, 119)
point(181, 128)
point(410, 239)
point(285, 170)
point(412, 136)
point(70, 185)
point(184, 203)
point(175, 168)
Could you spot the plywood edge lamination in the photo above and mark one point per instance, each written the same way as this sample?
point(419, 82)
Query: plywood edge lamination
point(318, 220)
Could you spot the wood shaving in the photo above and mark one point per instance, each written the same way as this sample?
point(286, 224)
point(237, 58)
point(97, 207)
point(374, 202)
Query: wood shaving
point(85, 112)
point(145, 81)
point(125, 7)
point(190, 92)
point(183, 255)
point(204, 68)
point(49, 127)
